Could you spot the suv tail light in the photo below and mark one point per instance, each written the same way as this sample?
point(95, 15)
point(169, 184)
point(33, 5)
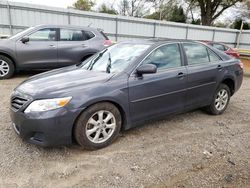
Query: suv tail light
point(107, 43)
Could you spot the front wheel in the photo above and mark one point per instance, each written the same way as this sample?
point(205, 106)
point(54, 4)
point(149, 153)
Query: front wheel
point(98, 126)
point(6, 67)
point(220, 100)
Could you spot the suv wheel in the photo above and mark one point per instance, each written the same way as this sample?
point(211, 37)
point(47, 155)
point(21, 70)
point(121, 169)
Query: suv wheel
point(98, 126)
point(220, 100)
point(6, 67)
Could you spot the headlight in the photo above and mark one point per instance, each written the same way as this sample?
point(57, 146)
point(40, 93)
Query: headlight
point(47, 104)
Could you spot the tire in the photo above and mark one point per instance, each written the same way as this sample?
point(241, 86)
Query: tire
point(7, 67)
point(90, 133)
point(220, 100)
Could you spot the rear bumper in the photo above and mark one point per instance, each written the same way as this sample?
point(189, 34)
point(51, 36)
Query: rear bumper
point(239, 79)
point(52, 128)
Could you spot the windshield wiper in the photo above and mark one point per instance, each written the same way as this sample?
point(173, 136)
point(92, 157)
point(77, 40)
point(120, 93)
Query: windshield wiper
point(96, 59)
point(109, 64)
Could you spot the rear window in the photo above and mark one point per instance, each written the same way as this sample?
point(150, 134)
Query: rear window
point(104, 35)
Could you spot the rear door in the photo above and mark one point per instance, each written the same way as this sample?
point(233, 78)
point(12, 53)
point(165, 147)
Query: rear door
point(204, 68)
point(162, 92)
point(40, 51)
point(73, 45)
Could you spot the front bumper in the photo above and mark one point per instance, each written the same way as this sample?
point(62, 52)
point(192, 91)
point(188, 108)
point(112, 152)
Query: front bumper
point(51, 128)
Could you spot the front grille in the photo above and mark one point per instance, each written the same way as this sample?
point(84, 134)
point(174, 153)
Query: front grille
point(18, 102)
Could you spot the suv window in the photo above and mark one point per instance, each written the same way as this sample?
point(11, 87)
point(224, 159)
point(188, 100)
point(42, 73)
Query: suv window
point(164, 57)
point(88, 35)
point(71, 35)
point(48, 34)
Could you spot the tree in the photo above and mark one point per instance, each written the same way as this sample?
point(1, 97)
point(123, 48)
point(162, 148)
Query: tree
point(212, 9)
point(169, 12)
point(177, 15)
point(134, 8)
point(237, 24)
point(105, 9)
point(84, 4)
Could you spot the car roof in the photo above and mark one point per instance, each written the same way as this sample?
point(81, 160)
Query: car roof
point(69, 27)
point(159, 41)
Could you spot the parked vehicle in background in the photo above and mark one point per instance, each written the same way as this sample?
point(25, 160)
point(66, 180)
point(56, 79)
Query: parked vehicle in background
point(49, 46)
point(222, 47)
point(120, 87)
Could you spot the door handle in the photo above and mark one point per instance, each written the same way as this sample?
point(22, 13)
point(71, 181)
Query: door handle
point(219, 67)
point(83, 45)
point(52, 46)
point(180, 75)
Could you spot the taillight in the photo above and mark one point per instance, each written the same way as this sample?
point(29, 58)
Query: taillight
point(107, 43)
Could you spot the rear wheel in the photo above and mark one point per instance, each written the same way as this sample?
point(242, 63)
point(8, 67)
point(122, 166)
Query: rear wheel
point(6, 67)
point(98, 126)
point(220, 100)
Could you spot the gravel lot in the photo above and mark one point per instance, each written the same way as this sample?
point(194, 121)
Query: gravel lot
point(188, 150)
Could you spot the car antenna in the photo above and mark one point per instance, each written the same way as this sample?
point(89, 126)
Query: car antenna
point(89, 24)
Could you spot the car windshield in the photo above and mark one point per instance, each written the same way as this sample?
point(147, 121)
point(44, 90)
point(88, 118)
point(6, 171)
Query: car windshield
point(21, 33)
point(116, 58)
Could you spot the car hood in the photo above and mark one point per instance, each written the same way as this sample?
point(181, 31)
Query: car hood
point(61, 81)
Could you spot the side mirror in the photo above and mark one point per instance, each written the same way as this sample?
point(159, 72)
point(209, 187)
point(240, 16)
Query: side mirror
point(25, 39)
point(146, 69)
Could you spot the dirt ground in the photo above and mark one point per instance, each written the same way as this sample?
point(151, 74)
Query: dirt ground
point(188, 150)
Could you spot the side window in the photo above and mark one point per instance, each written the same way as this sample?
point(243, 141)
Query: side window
point(219, 47)
point(48, 34)
point(164, 57)
point(212, 56)
point(71, 35)
point(196, 53)
point(88, 35)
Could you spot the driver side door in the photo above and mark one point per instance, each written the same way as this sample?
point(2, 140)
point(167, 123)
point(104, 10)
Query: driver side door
point(160, 93)
point(40, 51)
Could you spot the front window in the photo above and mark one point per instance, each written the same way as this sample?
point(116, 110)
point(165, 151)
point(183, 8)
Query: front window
point(48, 34)
point(115, 58)
point(165, 57)
point(21, 33)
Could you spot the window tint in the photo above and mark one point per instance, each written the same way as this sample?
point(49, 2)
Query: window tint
point(48, 34)
point(196, 53)
point(213, 57)
point(88, 35)
point(164, 57)
point(71, 35)
point(219, 46)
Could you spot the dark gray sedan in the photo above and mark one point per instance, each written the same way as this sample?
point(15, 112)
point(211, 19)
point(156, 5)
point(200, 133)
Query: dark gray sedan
point(49, 46)
point(121, 87)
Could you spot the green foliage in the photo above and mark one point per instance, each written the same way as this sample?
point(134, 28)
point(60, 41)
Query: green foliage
point(84, 4)
point(105, 9)
point(169, 12)
point(196, 22)
point(237, 24)
point(177, 15)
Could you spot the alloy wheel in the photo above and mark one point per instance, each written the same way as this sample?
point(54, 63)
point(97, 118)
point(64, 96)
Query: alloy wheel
point(100, 126)
point(4, 68)
point(221, 99)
